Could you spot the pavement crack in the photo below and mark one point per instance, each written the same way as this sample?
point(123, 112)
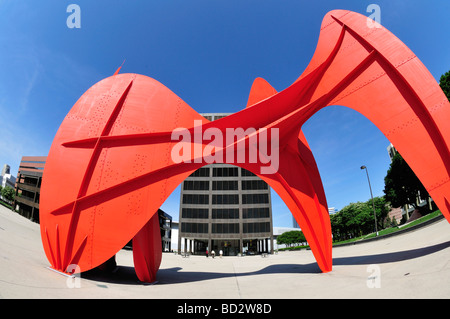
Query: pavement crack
point(237, 281)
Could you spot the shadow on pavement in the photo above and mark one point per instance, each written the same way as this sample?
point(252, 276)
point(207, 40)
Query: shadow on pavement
point(390, 257)
point(175, 275)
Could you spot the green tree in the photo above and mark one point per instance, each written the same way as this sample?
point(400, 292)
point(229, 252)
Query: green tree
point(357, 219)
point(401, 184)
point(8, 193)
point(291, 237)
point(444, 83)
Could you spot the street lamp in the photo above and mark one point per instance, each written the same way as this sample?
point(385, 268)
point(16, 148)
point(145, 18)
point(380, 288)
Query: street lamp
point(373, 203)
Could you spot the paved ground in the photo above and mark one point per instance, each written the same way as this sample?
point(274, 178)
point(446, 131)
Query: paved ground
point(412, 265)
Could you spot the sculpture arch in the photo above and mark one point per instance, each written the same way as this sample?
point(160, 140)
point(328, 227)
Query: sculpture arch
point(109, 168)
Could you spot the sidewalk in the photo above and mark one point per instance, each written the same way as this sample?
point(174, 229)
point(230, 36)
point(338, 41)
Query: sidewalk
point(411, 265)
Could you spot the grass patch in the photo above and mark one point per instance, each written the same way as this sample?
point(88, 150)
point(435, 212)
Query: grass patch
point(380, 233)
point(5, 204)
point(393, 229)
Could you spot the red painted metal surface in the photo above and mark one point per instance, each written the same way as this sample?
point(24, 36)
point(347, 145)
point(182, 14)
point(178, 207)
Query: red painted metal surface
point(110, 166)
point(147, 252)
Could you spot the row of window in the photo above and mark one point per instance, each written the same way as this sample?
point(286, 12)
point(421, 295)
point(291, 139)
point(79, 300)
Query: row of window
point(256, 227)
point(195, 199)
point(232, 228)
point(221, 172)
point(225, 228)
point(225, 199)
point(196, 185)
point(255, 198)
point(254, 184)
point(194, 213)
point(201, 172)
point(225, 171)
point(262, 212)
point(200, 228)
point(224, 185)
point(225, 213)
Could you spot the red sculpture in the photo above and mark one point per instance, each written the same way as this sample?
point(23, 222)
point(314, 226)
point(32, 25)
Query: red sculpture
point(111, 164)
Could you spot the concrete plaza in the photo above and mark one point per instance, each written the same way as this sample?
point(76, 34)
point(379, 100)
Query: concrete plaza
point(411, 265)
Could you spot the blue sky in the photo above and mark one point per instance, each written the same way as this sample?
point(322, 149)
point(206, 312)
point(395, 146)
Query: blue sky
point(207, 52)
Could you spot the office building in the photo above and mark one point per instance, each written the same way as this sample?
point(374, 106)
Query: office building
point(165, 225)
point(28, 186)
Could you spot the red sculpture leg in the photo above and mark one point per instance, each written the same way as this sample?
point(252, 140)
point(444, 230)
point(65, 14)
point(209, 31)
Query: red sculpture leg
point(147, 250)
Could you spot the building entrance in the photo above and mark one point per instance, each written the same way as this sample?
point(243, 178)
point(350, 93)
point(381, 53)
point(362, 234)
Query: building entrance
point(229, 247)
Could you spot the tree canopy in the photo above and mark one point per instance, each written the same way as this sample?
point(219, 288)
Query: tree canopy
point(291, 237)
point(444, 83)
point(357, 219)
point(7, 193)
point(401, 184)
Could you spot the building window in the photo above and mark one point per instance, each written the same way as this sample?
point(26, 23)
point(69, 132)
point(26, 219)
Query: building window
point(196, 185)
point(225, 185)
point(227, 199)
point(225, 213)
point(195, 199)
point(201, 172)
point(225, 171)
point(256, 227)
point(262, 212)
point(255, 198)
point(201, 228)
point(244, 172)
point(194, 213)
point(253, 184)
point(225, 228)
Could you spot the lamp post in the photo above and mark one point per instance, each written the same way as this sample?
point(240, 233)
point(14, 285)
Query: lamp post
point(373, 203)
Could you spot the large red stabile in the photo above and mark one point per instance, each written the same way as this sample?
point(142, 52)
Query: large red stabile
point(110, 166)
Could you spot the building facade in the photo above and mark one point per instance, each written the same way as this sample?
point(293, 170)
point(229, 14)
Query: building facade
point(225, 208)
point(165, 226)
point(28, 186)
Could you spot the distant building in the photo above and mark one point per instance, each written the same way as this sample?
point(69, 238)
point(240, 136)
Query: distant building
point(391, 151)
point(165, 224)
point(28, 186)
point(6, 178)
point(294, 222)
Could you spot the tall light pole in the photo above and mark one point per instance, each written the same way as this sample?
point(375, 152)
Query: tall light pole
point(373, 203)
